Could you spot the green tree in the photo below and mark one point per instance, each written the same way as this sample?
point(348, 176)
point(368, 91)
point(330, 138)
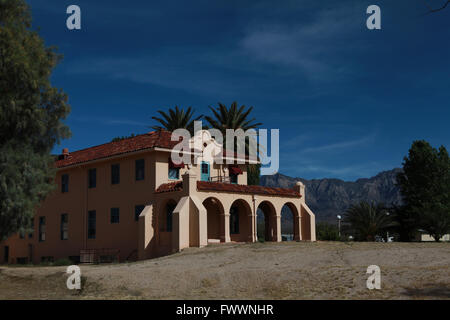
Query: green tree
point(425, 187)
point(176, 119)
point(367, 220)
point(31, 111)
point(236, 118)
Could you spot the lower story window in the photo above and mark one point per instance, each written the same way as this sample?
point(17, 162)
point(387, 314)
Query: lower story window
point(92, 229)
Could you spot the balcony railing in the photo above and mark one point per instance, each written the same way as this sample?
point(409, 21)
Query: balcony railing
point(221, 179)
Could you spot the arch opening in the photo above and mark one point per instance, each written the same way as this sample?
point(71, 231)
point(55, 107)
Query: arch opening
point(240, 221)
point(289, 223)
point(266, 222)
point(215, 219)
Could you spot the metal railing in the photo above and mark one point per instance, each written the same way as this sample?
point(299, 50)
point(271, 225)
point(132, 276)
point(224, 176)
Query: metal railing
point(221, 179)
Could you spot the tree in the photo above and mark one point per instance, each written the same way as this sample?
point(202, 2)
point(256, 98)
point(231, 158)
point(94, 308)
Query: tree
point(425, 187)
point(31, 111)
point(176, 119)
point(236, 118)
point(436, 9)
point(367, 220)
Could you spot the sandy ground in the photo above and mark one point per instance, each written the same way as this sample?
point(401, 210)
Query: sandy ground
point(288, 270)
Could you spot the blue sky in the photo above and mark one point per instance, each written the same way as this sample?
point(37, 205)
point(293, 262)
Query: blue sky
point(348, 101)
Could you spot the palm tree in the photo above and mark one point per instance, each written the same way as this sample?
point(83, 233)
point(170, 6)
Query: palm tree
point(176, 119)
point(368, 220)
point(235, 118)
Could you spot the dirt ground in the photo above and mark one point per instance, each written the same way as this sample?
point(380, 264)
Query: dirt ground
point(288, 270)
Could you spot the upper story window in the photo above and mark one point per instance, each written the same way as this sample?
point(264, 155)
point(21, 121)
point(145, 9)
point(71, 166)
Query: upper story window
point(205, 174)
point(140, 169)
point(64, 226)
point(174, 169)
point(115, 174)
point(41, 229)
point(115, 217)
point(234, 171)
point(92, 179)
point(92, 224)
point(65, 183)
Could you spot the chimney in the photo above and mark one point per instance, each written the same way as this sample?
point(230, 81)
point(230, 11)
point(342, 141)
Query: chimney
point(65, 153)
point(189, 182)
point(300, 188)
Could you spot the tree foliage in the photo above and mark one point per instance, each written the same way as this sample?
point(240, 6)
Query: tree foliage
point(236, 118)
point(176, 119)
point(31, 111)
point(425, 188)
point(367, 220)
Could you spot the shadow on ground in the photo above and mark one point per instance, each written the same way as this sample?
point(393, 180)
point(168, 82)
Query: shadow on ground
point(441, 291)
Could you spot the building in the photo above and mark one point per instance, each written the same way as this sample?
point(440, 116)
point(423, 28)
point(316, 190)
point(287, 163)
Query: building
point(128, 198)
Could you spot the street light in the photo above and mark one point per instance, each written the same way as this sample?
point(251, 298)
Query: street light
point(387, 232)
point(339, 224)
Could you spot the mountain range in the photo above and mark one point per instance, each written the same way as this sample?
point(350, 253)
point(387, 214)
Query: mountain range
point(329, 197)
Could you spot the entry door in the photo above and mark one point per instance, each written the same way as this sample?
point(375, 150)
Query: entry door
point(205, 171)
point(6, 256)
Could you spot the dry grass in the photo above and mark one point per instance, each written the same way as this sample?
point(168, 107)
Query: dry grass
point(321, 270)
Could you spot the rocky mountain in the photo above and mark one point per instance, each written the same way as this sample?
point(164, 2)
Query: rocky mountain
point(330, 197)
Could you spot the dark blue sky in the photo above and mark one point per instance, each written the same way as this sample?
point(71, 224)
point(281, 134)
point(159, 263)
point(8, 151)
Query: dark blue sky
point(348, 101)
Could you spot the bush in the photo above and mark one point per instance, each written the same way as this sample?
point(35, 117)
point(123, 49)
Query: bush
point(62, 262)
point(327, 232)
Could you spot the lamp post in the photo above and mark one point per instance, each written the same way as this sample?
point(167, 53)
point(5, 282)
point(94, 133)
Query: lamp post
point(339, 224)
point(387, 232)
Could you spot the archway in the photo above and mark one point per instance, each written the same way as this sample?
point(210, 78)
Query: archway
point(240, 221)
point(266, 222)
point(215, 219)
point(289, 222)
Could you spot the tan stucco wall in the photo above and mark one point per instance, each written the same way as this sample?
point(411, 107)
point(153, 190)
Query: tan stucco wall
point(144, 237)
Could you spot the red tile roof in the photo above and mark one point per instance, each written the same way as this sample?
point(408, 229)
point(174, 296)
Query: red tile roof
point(161, 139)
point(169, 187)
point(228, 187)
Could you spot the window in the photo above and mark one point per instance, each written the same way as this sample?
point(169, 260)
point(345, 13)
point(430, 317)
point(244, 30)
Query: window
point(169, 213)
point(204, 171)
point(41, 229)
point(92, 178)
point(137, 211)
point(30, 235)
point(64, 226)
point(92, 228)
point(65, 183)
point(234, 220)
point(140, 169)
point(114, 215)
point(233, 178)
point(115, 174)
point(6, 254)
point(21, 234)
point(174, 173)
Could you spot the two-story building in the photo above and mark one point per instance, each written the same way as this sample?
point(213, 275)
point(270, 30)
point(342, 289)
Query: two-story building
point(130, 198)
